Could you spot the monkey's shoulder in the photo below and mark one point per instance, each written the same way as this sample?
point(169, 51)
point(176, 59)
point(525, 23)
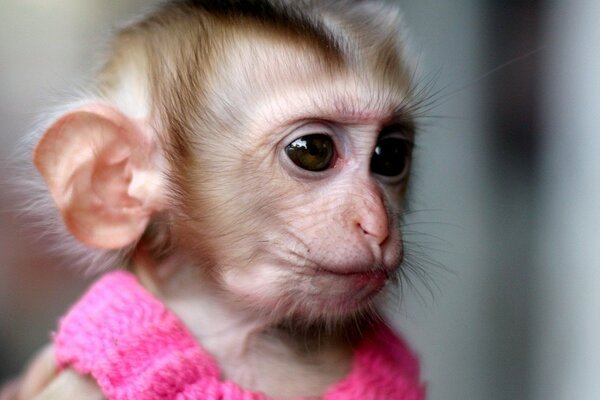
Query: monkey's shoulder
point(42, 380)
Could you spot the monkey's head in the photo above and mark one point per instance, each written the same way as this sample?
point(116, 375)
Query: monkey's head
point(267, 143)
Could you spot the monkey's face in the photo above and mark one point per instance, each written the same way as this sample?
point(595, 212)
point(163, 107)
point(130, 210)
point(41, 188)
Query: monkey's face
point(306, 198)
point(275, 157)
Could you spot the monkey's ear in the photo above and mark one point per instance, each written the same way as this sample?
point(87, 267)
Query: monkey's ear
point(101, 171)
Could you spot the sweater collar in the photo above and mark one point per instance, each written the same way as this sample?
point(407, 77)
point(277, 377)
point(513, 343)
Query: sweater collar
point(136, 348)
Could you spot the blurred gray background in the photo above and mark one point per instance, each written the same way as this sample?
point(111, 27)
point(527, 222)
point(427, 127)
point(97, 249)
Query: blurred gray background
point(505, 226)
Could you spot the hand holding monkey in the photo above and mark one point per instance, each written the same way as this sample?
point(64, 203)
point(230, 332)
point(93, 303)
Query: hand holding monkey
point(248, 161)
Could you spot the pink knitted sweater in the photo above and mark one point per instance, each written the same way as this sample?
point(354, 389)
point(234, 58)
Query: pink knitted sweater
point(136, 349)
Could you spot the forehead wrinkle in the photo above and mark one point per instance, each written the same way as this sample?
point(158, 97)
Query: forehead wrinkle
point(340, 99)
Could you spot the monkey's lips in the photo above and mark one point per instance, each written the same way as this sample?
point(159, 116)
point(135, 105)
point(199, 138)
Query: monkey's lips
point(361, 278)
point(359, 285)
point(346, 291)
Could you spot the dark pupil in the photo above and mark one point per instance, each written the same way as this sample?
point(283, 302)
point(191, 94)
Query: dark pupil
point(312, 152)
point(390, 157)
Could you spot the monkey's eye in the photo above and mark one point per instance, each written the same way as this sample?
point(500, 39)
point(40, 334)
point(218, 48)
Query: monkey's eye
point(390, 157)
point(312, 152)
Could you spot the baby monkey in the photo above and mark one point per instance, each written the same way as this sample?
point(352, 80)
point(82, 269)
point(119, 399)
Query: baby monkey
point(247, 162)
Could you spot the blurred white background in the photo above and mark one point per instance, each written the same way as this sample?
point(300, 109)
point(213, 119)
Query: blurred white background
point(506, 199)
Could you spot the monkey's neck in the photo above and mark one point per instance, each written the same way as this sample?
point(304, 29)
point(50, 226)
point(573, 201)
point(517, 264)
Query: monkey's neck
point(251, 351)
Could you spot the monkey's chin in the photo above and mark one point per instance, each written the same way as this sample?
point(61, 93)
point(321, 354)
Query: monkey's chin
point(336, 311)
point(334, 296)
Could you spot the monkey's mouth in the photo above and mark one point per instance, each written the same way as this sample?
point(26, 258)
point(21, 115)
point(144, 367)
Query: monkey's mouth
point(352, 286)
point(361, 278)
point(340, 294)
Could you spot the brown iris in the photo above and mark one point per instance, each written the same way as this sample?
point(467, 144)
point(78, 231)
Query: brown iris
point(311, 152)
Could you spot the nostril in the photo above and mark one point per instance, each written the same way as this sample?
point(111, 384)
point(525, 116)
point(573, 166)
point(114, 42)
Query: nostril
point(378, 234)
point(364, 231)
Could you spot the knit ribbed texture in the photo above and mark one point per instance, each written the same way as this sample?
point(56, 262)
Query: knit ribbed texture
point(136, 349)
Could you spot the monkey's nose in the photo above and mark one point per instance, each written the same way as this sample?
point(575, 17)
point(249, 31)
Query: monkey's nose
point(373, 223)
point(376, 231)
point(369, 215)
